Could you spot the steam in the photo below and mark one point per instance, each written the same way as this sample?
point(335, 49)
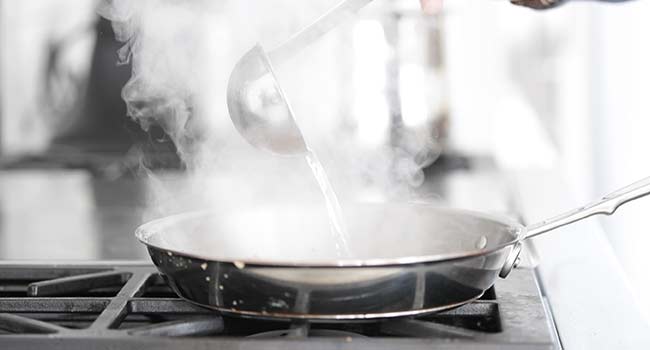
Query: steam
point(182, 53)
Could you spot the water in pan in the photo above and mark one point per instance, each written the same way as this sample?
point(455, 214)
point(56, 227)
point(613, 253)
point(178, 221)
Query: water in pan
point(299, 232)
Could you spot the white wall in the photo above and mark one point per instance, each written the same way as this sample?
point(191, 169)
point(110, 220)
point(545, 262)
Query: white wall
point(568, 89)
point(621, 125)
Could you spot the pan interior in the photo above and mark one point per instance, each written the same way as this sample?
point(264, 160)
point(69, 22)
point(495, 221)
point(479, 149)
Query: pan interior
point(300, 234)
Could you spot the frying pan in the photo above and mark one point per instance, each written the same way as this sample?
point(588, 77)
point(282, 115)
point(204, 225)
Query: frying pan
point(273, 261)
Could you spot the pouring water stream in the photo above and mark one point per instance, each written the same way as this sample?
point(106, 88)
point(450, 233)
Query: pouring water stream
point(337, 223)
point(261, 112)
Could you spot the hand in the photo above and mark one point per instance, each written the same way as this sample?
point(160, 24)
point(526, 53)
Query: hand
point(536, 4)
point(431, 6)
point(434, 6)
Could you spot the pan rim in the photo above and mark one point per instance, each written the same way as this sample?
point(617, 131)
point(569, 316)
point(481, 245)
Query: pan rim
point(145, 231)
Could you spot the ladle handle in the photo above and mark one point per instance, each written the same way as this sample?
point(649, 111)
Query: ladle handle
point(605, 206)
point(320, 27)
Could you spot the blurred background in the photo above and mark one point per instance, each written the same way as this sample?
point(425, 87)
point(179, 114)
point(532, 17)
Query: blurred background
point(397, 93)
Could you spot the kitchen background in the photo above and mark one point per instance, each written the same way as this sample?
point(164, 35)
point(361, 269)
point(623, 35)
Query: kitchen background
point(564, 90)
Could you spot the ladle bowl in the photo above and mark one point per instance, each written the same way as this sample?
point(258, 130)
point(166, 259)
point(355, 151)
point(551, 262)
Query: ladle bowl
point(257, 105)
point(259, 108)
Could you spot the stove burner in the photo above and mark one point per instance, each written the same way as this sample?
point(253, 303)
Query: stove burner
point(132, 305)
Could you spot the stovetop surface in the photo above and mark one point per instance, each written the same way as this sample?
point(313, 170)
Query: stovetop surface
point(128, 305)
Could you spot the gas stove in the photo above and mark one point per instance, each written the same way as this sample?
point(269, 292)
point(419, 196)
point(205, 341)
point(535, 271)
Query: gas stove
point(128, 305)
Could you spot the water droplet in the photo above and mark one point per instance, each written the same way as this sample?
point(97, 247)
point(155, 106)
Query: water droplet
point(221, 287)
point(207, 278)
point(234, 302)
point(225, 275)
point(278, 303)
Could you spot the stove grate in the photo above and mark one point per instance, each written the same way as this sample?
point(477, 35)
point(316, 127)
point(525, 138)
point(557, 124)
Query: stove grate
point(38, 302)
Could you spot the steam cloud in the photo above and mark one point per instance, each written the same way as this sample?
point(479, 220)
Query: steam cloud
point(182, 53)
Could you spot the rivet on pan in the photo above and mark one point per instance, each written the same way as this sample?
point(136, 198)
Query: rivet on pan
point(225, 275)
point(207, 278)
point(204, 266)
point(240, 265)
point(482, 242)
point(221, 287)
point(170, 253)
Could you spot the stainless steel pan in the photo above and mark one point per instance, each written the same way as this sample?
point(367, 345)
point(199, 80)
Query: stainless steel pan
point(406, 259)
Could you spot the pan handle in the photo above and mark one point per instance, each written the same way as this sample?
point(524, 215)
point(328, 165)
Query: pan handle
point(607, 205)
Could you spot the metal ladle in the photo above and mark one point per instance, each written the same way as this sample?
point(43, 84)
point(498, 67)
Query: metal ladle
point(257, 105)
